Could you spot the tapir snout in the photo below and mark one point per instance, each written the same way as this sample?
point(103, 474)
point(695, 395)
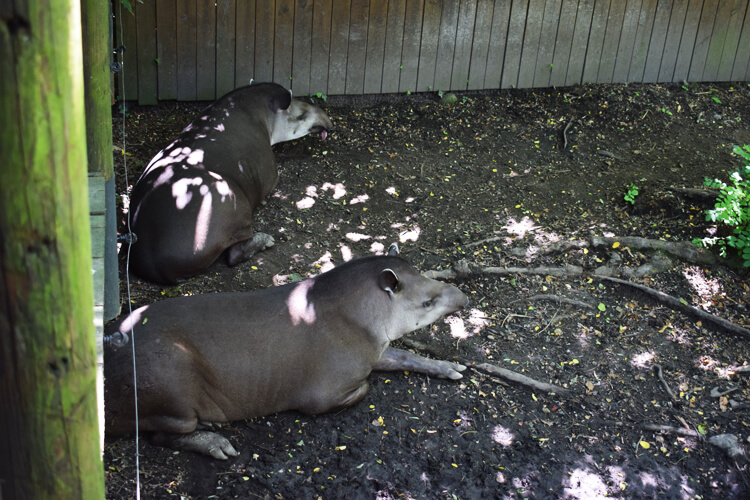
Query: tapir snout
point(196, 198)
point(308, 346)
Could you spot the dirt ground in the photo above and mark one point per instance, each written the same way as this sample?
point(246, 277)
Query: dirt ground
point(519, 180)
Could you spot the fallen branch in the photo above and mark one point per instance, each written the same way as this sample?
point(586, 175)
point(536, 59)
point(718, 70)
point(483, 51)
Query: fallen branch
point(517, 378)
point(683, 249)
point(463, 269)
point(675, 304)
point(672, 430)
point(559, 300)
point(660, 375)
point(565, 134)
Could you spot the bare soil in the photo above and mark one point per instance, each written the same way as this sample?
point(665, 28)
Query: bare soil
point(499, 179)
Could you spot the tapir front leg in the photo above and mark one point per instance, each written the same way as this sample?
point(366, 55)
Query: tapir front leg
point(208, 443)
point(399, 360)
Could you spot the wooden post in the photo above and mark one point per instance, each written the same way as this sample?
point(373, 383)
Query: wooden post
point(49, 446)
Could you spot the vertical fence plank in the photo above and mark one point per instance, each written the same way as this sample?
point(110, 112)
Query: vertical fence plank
point(206, 53)
point(339, 47)
point(658, 36)
point(446, 45)
point(672, 41)
point(394, 39)
point(166, 49)
point(375, 47)
point(741, 66)
point(493, 75)
point(514, 43)
point(480, 44)
point(226, 42)
point(186, 50)
point(428, 53)
point(265, 19)
point(563, 42)
point(596, 41)
point(703, 40)
point(642, 39)
point(283, 38)
point(687, 42)
point(411, 45)
point(728, 54)
point(320, 46)
point(547, 43)
point(357, 54)
point(145, 14)
point(627, 41)
point(302, 48)
point(611, 42)
point(467, 13)
point(574, 74)
point(126, 31)
point(244, 54)
point(718, 38)
point(530, 51)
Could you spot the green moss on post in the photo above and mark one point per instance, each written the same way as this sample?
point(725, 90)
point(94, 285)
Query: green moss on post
point(49, 434)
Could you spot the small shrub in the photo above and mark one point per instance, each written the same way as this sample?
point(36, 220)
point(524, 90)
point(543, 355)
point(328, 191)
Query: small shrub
point(732, 209)
point(631, 193)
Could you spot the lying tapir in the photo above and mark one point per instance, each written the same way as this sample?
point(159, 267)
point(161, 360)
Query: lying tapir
point(197, 196)
point(306, 346)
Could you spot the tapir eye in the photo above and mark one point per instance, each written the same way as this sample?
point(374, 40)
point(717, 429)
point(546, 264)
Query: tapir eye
point(427, 303)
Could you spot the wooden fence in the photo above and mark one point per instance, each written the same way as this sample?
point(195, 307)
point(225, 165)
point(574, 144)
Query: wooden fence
point(199, 50)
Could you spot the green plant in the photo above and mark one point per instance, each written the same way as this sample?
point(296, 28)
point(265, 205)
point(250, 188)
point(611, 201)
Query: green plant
point(732, 209)
point(320, 95)
point(631, 193)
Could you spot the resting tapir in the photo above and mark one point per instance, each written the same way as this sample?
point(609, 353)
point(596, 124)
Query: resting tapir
point(197, 196)
point(307, 346)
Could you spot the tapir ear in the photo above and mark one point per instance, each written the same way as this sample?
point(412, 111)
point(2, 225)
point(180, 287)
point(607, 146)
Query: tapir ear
point(389, 281)
point(393, 249)
point(280, 101)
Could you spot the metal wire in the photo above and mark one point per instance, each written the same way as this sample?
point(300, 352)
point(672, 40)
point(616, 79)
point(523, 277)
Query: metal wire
point(127, 267)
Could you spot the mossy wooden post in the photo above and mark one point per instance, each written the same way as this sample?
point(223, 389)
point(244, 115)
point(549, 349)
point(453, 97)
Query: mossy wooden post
point(49, 439)
point(96, 77)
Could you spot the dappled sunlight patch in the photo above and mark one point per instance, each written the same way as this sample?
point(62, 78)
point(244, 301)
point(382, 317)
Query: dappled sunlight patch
point(359, 199)
point(708, 289)
point(707, 363)
point(346, 253)
point(377, 248)
point(309, 200)
point(642, 360)
point(410, 234)
point(584, 483)
point(358, 236)
point(679, 335)
point(203, 220)
point(392, 191)
point(503, 436)
point(520, 228)
point(478, 320)
point(299, 307)
point(457, 327)
point(324, 263)
point(339, 190)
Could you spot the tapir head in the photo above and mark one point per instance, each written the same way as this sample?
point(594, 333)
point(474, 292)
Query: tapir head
point(291, 119)
point(415, 301)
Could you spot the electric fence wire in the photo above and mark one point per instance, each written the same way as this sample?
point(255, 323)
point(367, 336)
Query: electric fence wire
point(127, 260)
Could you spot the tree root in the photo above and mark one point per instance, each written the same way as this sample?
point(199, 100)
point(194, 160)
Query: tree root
point(675, 304)
point(517, 378)
point(683, 249)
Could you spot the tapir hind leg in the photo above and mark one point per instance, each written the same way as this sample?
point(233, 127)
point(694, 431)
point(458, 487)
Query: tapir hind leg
point(397, 360)
point(240, 252)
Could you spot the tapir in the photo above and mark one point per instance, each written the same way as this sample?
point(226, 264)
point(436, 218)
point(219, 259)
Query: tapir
point(196, 198)
point(306, 346)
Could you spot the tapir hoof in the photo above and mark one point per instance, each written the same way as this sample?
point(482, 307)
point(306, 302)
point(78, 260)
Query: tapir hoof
point(246, 249)
point(208, 443)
